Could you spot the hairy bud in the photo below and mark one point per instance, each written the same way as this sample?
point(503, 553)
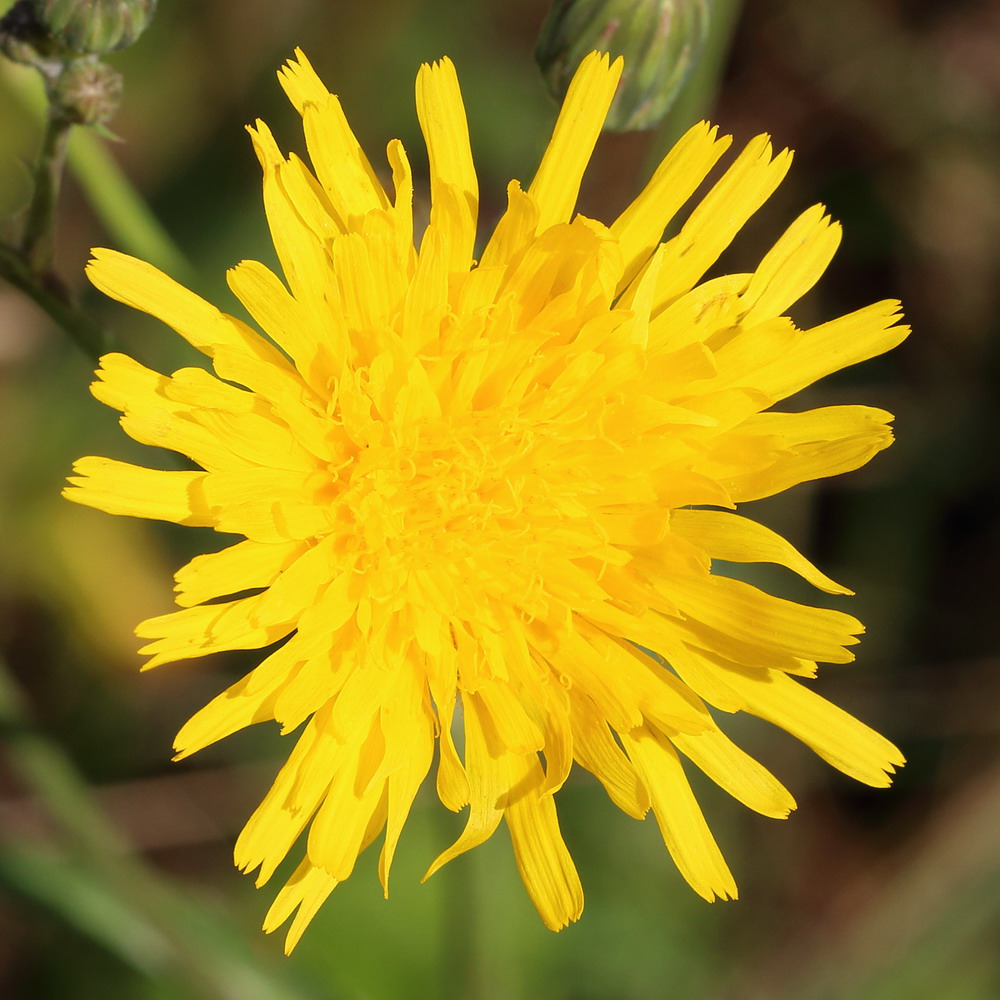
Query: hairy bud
point(86, 92)
point(94, 26)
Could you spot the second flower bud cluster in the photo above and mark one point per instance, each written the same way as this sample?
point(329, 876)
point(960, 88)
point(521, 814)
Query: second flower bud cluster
point(64, 40)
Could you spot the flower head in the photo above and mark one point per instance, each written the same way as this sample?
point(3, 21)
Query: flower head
point(474, 494)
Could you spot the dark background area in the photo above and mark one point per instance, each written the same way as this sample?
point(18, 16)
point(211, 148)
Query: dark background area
point(893, 109)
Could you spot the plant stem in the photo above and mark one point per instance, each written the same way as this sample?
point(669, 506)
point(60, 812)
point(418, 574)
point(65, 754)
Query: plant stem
point(50, 294)
point(38, 241)
point(28, 266)
point(114, 199)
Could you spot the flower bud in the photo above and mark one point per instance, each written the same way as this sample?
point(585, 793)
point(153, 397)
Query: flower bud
point(660, 40)
point(86, 92)
point(95, 26)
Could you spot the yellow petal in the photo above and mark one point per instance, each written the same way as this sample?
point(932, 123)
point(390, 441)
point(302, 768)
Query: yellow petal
point(302, 257)
point(340, 163)
point(198, 389)
point(291, 801)
point(642, 527)
point(704, 672)
point(409, 751)
point(832, 346)
point(256, 439)
point(684, 830)
point(402, 181)
point(454, 186)
point(300, 82)
point(337, 157)
point(121, 379)
point(516, 226)
point(663, 698)
point(282, 317)
point(580, 121)
point(817, 444)
point(735, 771)
point(596, 749)
point(288, 397)
point(640, 227)
point(338, 830)
point(792, 266)
point(120, 488)
point(546, 868)
point(316, 680)
point(312, 204)
point(300, 585)
point(239, 567)
point(363, 693)
point(306, 891)
point(839, 738)
point(426, 302)
point(142, 286)
point(762, 622)
point(154, 415)
point(488, 787)
point(748, 349)
point(517, 731)
point(693, 318)
point(558, 740)
point(722, 213)
point(251, 699)
point(452, 783)
point(209, 628)
point(372, 286)
point(338, 603)
point(266, 505)
point(738, 539)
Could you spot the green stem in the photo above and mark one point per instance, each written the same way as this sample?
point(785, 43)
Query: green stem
point(38, 241)
point(50, 294)
point(462, 960)
point(113, 197)
point(28, 266)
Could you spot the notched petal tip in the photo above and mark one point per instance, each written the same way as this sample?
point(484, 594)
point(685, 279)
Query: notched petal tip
point(443, 64)
point(97, 253)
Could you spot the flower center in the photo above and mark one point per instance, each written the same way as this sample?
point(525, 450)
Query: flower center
point(439, 490)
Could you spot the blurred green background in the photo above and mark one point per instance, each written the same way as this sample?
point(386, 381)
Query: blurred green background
point(120, 886)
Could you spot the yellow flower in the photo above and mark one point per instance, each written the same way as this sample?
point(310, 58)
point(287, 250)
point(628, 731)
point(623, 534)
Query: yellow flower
point(474, 493)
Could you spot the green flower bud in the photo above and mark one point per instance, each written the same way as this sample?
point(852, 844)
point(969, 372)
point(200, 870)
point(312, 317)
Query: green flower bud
point(86, 92)
point(95, 26)
point(661, 41)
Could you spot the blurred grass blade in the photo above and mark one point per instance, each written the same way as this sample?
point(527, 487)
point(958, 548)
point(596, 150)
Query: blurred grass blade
point(84, 901)
point(111, 894)
point(120, 207)
point(84, 898)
